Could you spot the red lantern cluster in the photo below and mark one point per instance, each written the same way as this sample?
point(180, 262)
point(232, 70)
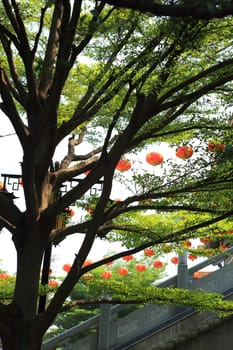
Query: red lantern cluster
point(123, 271)
point(154, 158)
point(184, 152)
point(140, 267)
point(123, 165)
point(157, 264)
point(106, 274)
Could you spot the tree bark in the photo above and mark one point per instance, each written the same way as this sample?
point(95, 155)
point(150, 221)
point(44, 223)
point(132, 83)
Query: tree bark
point(20, 328)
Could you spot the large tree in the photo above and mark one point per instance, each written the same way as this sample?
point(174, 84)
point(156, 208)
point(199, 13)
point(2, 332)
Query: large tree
point(91, 73)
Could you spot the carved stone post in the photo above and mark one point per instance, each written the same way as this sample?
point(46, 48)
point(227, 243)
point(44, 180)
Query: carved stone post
point(182, 272)
point(104, 327)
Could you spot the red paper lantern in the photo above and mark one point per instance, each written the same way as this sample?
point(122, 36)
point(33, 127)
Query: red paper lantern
point(117, 200)
point(205, 240)
point(69, 211)
point(53, 283)
point(66, 267)
point(215, 147)
point(106, 274)
point(196, 275)
point(123, 165)
point(123, 271)
point(187, 244)
point(192, 257)
point(200, 274)
point(140, 267)
point(184, 152)
point(157, 264)
point(127, 257)
point(87, 263)
point(154, 158)
point(175, 260)
point(72, 212)
point(149, 252)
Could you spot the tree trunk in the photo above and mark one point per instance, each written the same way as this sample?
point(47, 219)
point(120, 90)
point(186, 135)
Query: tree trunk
point(18, 337)
point(19, 326)
point(27, 280)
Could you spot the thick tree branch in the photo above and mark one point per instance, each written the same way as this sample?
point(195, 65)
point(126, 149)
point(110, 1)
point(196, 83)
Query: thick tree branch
point(36, 42)
point(13, 13)
point(10, 36)
point(194, 9)
point(51, 51)
point(67, 174)
point(70, 157)
point(8, 107)
point(66, 38)
point(21, 95)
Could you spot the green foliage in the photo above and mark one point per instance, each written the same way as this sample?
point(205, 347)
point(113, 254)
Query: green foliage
point(200, 300)
point(6, 289)
point(7, 285)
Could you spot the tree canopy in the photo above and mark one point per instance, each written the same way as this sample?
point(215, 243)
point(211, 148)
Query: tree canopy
point(119, 81)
